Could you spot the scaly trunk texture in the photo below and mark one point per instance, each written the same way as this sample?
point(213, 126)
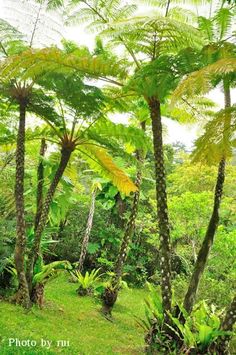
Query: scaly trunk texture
point(35, 252)
point(230, 317)
point(205, 249)
point(162, 208)
point(222, 346)
point(40, 178)
point(87, 231)
point(111, 293)
point(121, 207)
point(22, 296)
point(129, 229)
point(38, 295)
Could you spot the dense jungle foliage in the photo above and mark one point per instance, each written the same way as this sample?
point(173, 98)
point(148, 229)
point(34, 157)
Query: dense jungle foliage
point(139, 234)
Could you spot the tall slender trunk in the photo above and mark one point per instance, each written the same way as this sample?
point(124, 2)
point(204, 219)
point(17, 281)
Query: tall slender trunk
point(22, 296)
point(40, 178)
point(120, 207)
point(129, 230)
point(111, 293)
point(85, 242)
point(162, 207)
point(205, 249)
point(35, 252)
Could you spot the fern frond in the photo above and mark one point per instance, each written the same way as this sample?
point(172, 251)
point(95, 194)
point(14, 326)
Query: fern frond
point(190, 110)
point(223, 19)
point(182, 15)
point(99, 12)
point(44, 107)
point(9, 32)
point(34, 63)
point(141, 31)
point(125, 134)
point(200, 82)
point(217, 140)
point(101, 162)
point(206, 27)
point(50, 270)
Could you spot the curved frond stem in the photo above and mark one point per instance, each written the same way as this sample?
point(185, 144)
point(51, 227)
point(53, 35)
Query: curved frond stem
point(91, 124)
point(62, 114)
point(82, 152)
point(53, 128)
point(111, 81)
point(39, 139)
point(167, 8)
point(73, 127)
point(80, 125)
point(129, 49)
point(191, 106)
point(95, 144)
point(3, 49)
point(35, 25)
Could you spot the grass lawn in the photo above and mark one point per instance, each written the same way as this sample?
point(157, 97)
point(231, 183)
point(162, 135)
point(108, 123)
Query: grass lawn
point(75, 319)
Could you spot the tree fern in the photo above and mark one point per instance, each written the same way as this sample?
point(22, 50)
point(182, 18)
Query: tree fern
point(98, 12)
point(201, 82)
point(192, 110)
point(170, 34)
point(39, 21)
point(213, 145)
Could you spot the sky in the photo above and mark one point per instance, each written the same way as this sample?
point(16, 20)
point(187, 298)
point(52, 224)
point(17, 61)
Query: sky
point(44, 35)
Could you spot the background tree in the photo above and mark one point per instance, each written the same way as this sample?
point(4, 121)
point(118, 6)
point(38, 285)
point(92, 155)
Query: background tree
point(222, 148)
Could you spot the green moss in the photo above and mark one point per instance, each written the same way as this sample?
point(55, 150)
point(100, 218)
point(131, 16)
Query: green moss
point(77, 320)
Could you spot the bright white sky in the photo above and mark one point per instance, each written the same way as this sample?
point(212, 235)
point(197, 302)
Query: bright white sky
point(12, 11)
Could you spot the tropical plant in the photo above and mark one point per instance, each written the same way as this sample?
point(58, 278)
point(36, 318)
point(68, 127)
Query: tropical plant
point(87, 282)
point(42, 275)
point(85, 241)
point(200, 332)
point(201, 81)
point(100, 160)
point(151, 37)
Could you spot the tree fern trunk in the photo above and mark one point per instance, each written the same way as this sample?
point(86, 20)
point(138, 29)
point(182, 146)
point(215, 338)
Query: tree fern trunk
point(162, 208)
point(230, 317)
point(207, 242)
point(22, 296)
point(111, 293)
point(40, 177)
point(38, 295)
point(129, 229)
point(87, 232)
point(222, 345)
point(205, 249)
point(65, 157)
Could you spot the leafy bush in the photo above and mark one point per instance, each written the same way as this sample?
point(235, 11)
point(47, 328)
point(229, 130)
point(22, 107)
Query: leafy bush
point(44, 273)
point(87, 283)
point(195, 333)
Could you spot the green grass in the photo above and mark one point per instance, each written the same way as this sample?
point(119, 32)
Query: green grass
point(77, 320)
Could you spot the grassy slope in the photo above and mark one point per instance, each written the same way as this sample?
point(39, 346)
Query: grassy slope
point(77, 319)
